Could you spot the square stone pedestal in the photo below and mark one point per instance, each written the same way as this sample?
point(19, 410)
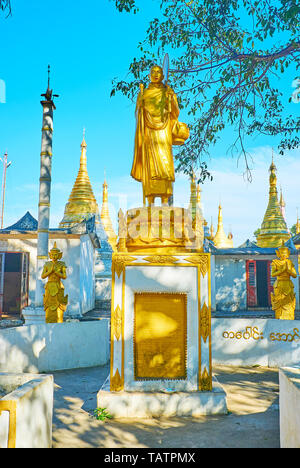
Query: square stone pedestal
point(34, 315)
point(163, 404)
point(161, 362)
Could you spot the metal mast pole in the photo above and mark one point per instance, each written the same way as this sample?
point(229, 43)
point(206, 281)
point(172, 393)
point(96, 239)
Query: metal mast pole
point(5, 167)
point(45, 190)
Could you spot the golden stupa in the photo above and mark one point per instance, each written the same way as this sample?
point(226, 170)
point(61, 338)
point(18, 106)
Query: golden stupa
point(273, 230)
point(82, 203)
point(106, 220)
point(220, 239)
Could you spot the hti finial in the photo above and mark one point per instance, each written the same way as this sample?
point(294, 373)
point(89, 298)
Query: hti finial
point(48, 95)
point(83, 144)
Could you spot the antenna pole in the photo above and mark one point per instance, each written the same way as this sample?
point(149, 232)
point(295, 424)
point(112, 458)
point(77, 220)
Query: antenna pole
point(5, 167)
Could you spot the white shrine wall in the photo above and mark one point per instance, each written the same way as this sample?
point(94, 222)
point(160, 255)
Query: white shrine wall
point(78, 254)
point(229, 281)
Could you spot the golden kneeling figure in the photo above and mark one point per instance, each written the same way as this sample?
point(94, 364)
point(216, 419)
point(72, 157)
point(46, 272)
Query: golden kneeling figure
point(55, 301)
point(283, 299)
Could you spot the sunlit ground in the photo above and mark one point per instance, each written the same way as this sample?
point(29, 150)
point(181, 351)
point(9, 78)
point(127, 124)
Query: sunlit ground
point(253, 419)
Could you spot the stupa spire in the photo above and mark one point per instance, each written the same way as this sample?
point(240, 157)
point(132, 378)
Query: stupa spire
point(193, 197)
point(220, 239)
point(105, 218)
point(273, 230)
point(82, 203)
point(282, 204)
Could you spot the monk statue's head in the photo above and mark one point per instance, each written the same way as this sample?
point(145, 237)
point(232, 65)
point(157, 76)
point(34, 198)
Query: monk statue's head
point(156, 74)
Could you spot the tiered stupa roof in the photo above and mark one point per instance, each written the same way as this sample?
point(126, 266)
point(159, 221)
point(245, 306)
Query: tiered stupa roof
point(82, 203)
point(273, 230)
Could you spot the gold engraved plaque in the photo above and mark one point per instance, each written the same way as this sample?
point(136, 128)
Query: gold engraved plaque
point(160, 340)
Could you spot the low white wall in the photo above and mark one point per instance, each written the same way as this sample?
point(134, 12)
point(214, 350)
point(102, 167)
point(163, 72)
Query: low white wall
point(49, 347)
point(235, 342)
point(289, 404)
point(32, 396)
point(248, 342)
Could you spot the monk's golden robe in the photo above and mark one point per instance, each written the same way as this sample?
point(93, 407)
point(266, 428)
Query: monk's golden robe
point(157, 130)
point(283, 299)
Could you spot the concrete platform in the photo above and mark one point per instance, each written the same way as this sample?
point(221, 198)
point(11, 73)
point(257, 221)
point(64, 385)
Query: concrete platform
point(141, 404)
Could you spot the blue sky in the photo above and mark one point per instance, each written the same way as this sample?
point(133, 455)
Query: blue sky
point(87, 45)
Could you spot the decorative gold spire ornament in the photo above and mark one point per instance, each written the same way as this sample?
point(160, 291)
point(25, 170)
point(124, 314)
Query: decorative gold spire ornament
point(282, 204)
point(220, 240)
point(122, 231)
point(55, 302)
point(195, 200)
point(193, 197)
point(198, 197)
point(82, 203)
point(283, 299)
point(157, 130)
point(106, 220)
point(273, 229)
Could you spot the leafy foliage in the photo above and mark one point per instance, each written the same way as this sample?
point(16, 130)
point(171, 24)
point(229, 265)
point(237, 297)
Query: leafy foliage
point(102, 414)
point(5, 5)
point(293, 230)
point(227, 60)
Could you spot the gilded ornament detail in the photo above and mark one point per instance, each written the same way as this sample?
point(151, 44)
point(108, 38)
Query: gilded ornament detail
point(119, 262)
point(204, 322)
point(205, 381)
point(161, 259)
point(116, 383)
point(117, 323)
point(201, 260)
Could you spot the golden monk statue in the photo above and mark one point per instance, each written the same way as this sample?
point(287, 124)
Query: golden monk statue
point(283, 299)
point(55, 302)
point(157, 130)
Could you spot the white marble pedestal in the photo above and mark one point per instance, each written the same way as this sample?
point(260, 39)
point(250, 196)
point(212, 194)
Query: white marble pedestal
point(34, 315)
point(161, 360)
point(163, 404)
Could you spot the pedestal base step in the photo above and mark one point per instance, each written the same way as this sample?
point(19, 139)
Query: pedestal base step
point(163, 404)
